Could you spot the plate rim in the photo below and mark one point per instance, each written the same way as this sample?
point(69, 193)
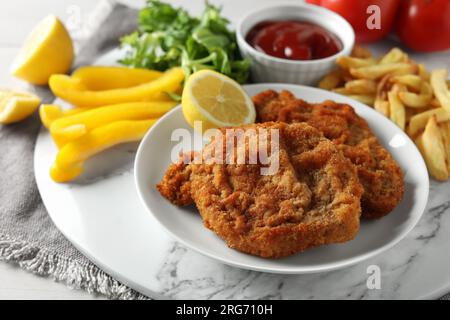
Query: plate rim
point(302, 270)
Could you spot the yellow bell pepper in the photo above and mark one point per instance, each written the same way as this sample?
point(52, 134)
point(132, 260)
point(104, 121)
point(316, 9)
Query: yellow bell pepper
point(66, 88)
point(71, 127)
point(69, 161)
point(106, 78)
point(51, 112)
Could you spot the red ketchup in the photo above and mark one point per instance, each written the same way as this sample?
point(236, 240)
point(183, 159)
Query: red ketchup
point(293, 40)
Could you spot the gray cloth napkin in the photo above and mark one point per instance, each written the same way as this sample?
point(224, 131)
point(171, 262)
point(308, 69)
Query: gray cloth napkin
point(27, 235)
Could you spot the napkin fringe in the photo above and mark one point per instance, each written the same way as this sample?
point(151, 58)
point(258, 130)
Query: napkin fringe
point(74, 274)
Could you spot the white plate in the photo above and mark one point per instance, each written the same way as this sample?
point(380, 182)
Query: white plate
point(374, 237)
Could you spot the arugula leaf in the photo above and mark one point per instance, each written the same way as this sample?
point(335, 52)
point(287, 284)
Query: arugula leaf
point(169, 37)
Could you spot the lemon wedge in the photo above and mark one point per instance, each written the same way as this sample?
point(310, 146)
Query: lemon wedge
point(47, 50)
point(216, 100)
point(16, 106)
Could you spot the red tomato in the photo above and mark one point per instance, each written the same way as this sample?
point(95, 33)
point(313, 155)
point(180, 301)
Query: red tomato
point(355, 12)
point(424, 25)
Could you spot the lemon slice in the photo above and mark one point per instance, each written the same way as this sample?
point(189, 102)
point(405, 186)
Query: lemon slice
point(216, 100)
point(16, 106)
point(47, 50)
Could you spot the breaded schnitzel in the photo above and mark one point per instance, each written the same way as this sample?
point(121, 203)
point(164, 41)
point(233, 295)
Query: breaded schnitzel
point(312, 199)
point(378, 172)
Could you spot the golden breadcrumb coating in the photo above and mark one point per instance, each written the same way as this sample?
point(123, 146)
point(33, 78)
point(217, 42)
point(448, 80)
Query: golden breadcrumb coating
point(378, 172)
point(312, 199)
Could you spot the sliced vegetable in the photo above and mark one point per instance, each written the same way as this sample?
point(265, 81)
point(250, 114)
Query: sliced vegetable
point(67, 128)
point(51, 112)
point(106, 78)
point(69, 161)
point(73, 91)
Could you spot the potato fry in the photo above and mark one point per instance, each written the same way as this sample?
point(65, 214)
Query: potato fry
point(415, 100)
point(423, 72)
point(396, 109)
point(381, 106)
point(346, 76)
point(402, 90)
point(384, 85)
point(361, 52)
point(341, 90)
point(363, 98)
point(419, 121)
point(331, 80)
point(347, 62)
point(368, 99)
point(445, 131)
point(439, 84)
point(409, 113)
point(377, 71)
point(394, 56)
point(433, 150)
point(410, 80)
point(435, 103)
point(361, 86)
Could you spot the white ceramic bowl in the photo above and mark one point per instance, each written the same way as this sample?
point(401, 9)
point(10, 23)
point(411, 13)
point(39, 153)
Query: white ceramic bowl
point(266, 68)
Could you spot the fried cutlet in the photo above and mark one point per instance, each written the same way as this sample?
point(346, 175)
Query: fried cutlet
point(378, 172)
point(312, 199)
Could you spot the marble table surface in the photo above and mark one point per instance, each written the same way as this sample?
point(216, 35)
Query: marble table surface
point(413, 263)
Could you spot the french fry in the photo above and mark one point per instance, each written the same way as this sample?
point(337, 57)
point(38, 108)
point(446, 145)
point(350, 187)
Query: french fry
point(396, 109)
point(423, 72)
point(394, 56)
point(363, 98)
point(439, 84)
point(433, 150)
point(419, 121)
point(374, 72)
point(331, 80)
point(403, 90)
point(415, 100)
point(368, 99)
point(381, 106)
point(341, 90)
point(445, 132)
point(409, 113)
point(346, 76)
point(384, 85)
point(410, 80)
point(435, 103)
point(361, 52)
point(361, 86)
point(347, 62)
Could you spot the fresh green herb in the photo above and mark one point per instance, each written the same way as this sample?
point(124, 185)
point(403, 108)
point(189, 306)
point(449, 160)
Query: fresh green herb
point(169, 37)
